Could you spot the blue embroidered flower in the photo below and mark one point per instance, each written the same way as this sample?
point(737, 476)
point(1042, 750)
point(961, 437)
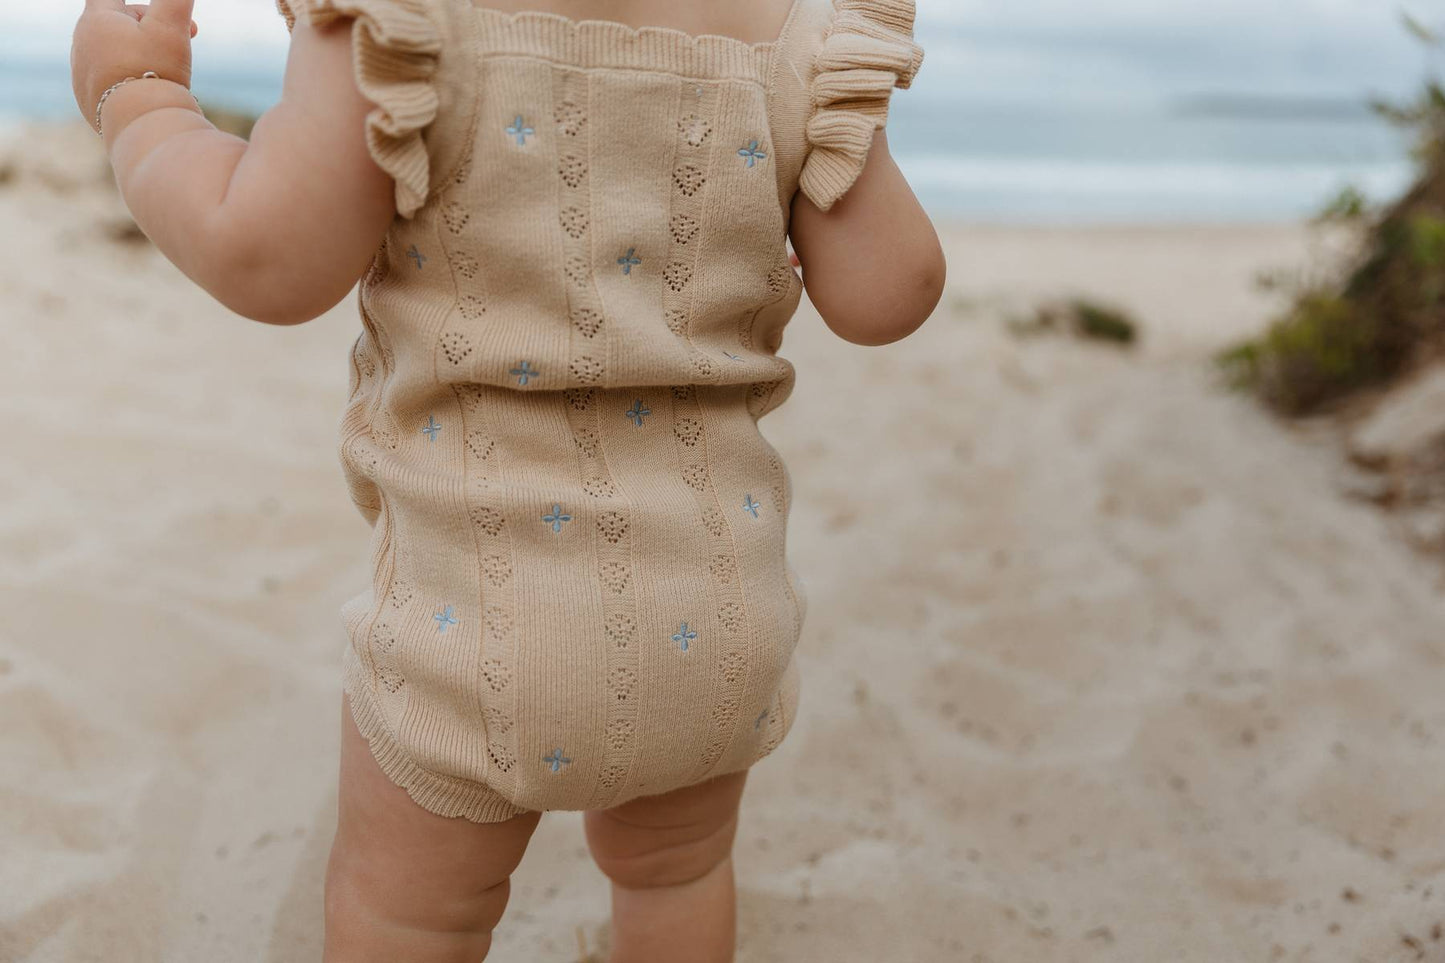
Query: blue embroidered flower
point(520, 131)
point(555, 518)
point(751, 153)
point(759, 720)
point(637, 412)
point(432, 429)
point(525, 372)
point(629, 260)
point(683, 636)
point(733, 356)
point(417, 256)
point(444, 619)
point(556, 760)
point(750, 506)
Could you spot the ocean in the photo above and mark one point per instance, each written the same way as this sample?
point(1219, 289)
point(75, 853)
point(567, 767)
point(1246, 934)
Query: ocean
point(1142, 161)
point(1023, 159)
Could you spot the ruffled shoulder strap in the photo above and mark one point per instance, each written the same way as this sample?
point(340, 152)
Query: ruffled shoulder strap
point(868, 51)
point(397, 45)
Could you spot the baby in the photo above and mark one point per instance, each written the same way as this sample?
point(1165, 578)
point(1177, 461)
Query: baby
point(570, 227)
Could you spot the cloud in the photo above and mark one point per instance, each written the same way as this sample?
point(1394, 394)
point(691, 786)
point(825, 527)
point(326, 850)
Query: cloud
point(1067, 49)
point(1145, 48)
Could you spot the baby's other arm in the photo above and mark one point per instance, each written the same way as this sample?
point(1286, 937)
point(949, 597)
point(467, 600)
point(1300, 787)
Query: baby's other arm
point(872, 263)
point(280, 229)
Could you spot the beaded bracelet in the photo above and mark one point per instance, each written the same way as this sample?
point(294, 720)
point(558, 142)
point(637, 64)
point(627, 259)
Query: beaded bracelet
point(100, 107)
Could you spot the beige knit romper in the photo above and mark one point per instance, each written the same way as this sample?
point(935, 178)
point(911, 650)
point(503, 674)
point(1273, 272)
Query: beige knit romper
point(581, 593)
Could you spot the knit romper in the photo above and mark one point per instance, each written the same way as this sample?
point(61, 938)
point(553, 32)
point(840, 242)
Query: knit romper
point(581, 593)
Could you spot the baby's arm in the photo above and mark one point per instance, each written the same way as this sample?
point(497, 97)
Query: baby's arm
point(278, 230)
point(872, 264)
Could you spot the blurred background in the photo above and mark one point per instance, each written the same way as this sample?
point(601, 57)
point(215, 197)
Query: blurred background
point(1126, 573)
point(1044, 110)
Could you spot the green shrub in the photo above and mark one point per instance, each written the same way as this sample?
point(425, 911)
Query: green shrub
point(1103, 323)
point(1321, 350)
point(1080, 316)
point(1338, 337)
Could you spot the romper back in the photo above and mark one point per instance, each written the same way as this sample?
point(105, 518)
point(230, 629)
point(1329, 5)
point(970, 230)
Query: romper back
point(580, 590)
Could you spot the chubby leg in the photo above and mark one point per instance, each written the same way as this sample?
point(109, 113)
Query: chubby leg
point(406, 884)
point(670, 861)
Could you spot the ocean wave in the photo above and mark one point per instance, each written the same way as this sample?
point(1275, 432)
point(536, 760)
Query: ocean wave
point(1031, 188)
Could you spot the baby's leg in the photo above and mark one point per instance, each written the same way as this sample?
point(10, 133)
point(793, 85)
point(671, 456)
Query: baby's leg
point(406, 884)
point(670, 861)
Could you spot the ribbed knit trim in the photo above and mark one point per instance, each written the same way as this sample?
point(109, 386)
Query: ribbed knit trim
point(395, 46)
point(434, 792)
point(868, 52)
point(608, 44)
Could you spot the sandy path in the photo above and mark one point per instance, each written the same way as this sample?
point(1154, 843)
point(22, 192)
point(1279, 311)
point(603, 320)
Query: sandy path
point(1099, 664)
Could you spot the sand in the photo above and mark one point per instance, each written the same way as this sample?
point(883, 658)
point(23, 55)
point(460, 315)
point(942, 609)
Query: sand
point(1101, 661)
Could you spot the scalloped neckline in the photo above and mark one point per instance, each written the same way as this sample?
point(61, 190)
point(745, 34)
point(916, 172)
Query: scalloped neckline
point(632, 32)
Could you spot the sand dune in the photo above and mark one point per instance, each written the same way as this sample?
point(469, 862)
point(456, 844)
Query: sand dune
point(1100, 663)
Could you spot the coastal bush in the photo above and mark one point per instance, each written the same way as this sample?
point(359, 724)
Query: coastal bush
point(1340, 335)
point(1103, 323)
point(1082, 317)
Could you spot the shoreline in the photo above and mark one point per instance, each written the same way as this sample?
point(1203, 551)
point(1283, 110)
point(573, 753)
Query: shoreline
point(1045, 192)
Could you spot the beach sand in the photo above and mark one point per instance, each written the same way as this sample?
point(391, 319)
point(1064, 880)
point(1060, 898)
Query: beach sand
point(1101, 663)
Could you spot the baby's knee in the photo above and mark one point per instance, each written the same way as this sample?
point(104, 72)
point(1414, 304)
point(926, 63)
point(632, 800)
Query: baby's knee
point(370, 916)
point(637, 863)
point(666, 842)
point(357, 892)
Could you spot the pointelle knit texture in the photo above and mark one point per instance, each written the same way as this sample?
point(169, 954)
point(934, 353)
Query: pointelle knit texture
point(580, 591)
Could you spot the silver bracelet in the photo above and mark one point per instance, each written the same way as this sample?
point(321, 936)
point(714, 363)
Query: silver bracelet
point(148, 75)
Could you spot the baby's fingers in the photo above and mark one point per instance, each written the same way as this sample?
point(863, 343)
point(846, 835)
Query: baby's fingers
point(139, 10)
point(177, 12)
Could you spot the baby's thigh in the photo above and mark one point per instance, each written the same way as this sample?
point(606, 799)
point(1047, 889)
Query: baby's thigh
point(667, 839)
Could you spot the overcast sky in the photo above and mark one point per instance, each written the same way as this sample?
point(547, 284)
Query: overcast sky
point(1070, 49)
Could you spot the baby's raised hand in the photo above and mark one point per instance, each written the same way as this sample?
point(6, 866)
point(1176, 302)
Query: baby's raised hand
point(114, 40)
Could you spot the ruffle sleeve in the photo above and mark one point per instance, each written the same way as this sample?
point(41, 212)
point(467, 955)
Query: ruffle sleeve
point(869, 51)
point(396, 45)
